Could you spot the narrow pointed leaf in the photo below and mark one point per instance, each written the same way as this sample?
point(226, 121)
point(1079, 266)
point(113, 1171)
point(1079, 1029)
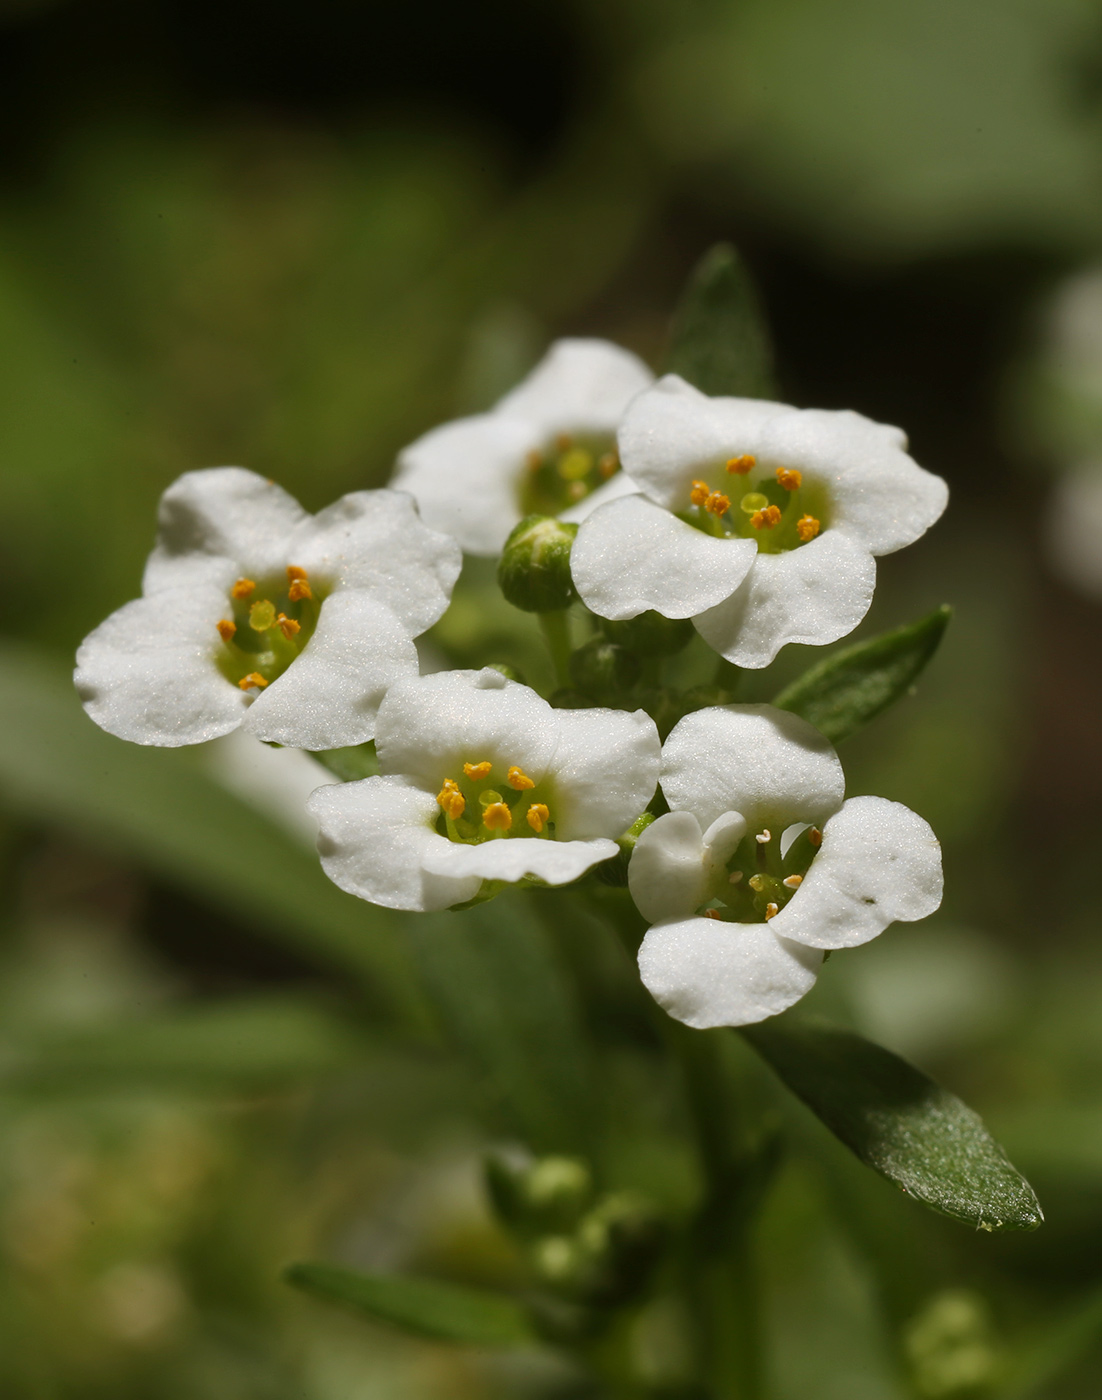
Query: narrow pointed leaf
point(900, 1123)
point(841, 694)
point(719, 341)
point(426, 1307)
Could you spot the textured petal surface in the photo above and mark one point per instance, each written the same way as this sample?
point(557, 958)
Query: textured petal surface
point(466, 476)
point(578, 386)
point(706, 972)
point(666, 875)
point(330, 695)
point(767, 764)
point(879, 862)
point(428, 727)
point(218, 524)
point(605, 771)
point(632, 555)
point(375, 540)
point(373, 838)
point(620, 485)
point(148, 673)
point(814, 594)
point(511, 859)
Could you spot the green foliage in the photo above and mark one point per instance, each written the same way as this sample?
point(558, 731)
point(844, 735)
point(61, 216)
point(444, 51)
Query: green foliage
point(900, 1123)
point(425, 1307)
point(843, 693)
point(719, 340)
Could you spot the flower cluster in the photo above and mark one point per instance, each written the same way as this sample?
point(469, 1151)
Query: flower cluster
point(757, 521)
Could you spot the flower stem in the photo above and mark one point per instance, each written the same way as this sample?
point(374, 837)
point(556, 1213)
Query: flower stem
point(556, 632)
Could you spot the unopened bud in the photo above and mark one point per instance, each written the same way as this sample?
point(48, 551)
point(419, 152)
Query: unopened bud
point(603, 670)
point(534, 571)
point(650, 634)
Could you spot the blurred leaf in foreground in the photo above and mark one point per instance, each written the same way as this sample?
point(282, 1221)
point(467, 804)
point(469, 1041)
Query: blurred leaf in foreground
point(719, 340)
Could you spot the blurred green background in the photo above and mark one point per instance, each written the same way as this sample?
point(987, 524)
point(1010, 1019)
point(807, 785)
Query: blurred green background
point(294, 237)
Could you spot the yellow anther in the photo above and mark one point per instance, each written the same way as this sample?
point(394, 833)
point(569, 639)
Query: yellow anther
point(766, 519)
point(533, 460)
point(757, 883)
point(717, 503)
point(243, 588)
point(609, 465)
point(518, 780)
point(497, 817)
point(771, 910)
point(742, 465)
point(577, 490)
point(262, 615)
point(563, 442)
point(700, 493)
point(298, 584)
point(712, 914)
point(790, 479)
point(451, 799)
point(575, 464)
point(764, 836)
point(254, 678)
point(226, 629)
point(537, 817)
point(288, 626)
point(807, 527)
point(477, 771)
point(815, 836)
point(793, 882)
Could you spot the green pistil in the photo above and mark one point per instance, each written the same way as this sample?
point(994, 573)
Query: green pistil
point(566, 472)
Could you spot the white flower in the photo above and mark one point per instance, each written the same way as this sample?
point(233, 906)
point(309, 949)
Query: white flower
point(547, 448)
point(483, 780)
point(758, 521)
point(759, 865)
point(255, 613)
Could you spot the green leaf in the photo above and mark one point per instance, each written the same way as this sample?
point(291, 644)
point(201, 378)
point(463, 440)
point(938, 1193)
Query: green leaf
point(719, 340)
point(426, 1307)
point(841, 694)
point(900, 1123)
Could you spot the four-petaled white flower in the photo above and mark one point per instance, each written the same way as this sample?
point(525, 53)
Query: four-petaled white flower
point(483, 780)
point(547, 448)
point(759, 521)
point(760, 865)
point(255, 613)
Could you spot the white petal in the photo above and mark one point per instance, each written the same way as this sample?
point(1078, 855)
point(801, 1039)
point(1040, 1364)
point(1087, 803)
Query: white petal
point(879, 862)
point(770, 765)
point(430, 726)
point(375, 540)
point(666, 875)
point(632, 555)
point(148, 673)
point(722, 838)
point(466, 477)
point(605, 771)
point(512, 858)
point(578, 386)
point(619, 485)
point(219, 524)
point(707, 972)
point(814, 594)
point(673, 433)
point(330, 695)
point(1073, 528)
point(374, 837)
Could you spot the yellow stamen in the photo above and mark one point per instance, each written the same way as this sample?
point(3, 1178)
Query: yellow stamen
point(288, 626)
point(793, 881)
point(243, 588)
point(262, 615)
point(537, 817)
point(771, 910)
point(497, 817)
point(767, 518)
point(533, 461)
point(717, 503)
point(298, 584)
point(609, 465)
point(711, 913)
point(477, 771)
point(253, 678)
point(815, 836)
point(563, 442)
point(226, 629)
point(742, 465)
point(700, 493)
point(807, 527)
point(791, 480)
point(451, 799)
point(518, 780)
point(577, 490)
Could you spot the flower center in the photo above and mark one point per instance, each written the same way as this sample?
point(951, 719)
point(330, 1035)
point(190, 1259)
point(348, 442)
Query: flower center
point(778, 512)
point(565, 472)
point(476, 807)
point(266, 627)
point(757, 882)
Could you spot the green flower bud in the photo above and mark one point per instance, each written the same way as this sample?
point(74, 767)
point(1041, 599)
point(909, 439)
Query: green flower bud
point(650, 634)
point(568, 699)
point(603, 670)
point(534, 572)
point(557, 1190)
point(509, 672)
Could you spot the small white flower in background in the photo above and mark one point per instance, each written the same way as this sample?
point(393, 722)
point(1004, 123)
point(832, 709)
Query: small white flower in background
point(759, 521)
point(256, 614)
point(760, 865)
point(547, 448)
point(483, 780)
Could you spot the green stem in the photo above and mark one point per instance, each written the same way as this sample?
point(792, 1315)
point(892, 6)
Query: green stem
point(556, 632)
